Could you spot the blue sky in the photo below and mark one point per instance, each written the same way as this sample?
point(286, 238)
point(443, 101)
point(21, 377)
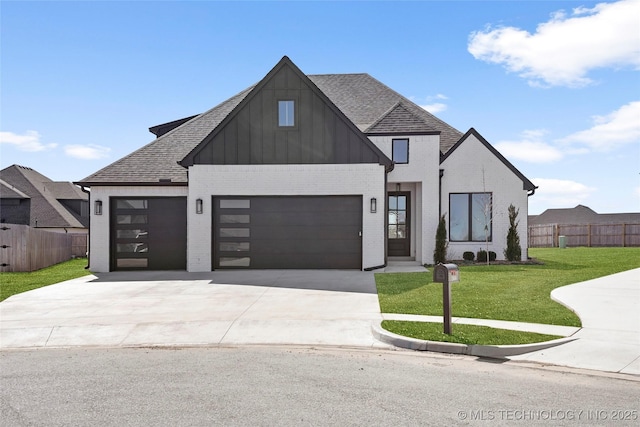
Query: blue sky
point(553, 85)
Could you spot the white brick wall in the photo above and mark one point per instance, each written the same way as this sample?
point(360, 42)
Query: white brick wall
point(420, 177)
point(463, 173)
point(99, 237)
point(206, 181)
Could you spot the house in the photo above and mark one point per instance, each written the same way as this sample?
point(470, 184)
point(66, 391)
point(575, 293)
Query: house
point(303, 171)
point(30, 198)
point(582, 215)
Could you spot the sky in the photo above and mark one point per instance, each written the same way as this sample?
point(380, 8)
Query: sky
point(553, 85)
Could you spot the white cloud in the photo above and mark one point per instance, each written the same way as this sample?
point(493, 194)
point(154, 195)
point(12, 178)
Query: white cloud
point(87, 152)
point(559, 193)
point(530, 148)
point(612, 131)
point(29, 141)
point(434, 108)
point(563, 50)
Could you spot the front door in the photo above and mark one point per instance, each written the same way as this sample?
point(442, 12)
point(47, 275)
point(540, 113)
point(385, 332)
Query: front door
point(399, 240)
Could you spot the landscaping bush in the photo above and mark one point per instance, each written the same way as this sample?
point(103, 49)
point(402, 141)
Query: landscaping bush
point(468, 256)
point(513, 252)
point(482, 256)
point(440, 253)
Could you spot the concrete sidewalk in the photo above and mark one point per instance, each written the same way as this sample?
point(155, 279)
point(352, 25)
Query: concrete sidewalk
point(609, 340)
point(179, 308)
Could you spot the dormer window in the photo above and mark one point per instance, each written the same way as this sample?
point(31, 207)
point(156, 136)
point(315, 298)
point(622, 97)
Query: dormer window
point(400, 150)
point(286, 113)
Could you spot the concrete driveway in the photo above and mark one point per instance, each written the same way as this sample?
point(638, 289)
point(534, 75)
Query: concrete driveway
point(609, 308)
point(326, 307)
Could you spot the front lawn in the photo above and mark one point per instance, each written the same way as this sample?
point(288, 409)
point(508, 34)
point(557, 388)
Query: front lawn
point(15, 283)
point(506, 292)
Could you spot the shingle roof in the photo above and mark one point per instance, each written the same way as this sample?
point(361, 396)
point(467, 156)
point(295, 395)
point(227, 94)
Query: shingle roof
point(581, 215)
point(46, 210)
point(8, 191)
point(399, 120)
point(363, 99)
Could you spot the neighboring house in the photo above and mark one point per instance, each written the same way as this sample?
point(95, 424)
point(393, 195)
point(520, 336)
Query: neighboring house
point(30, 198)
point(582, 215)
point(303, 171)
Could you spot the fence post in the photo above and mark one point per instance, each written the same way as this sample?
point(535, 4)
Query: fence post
point(624, 235)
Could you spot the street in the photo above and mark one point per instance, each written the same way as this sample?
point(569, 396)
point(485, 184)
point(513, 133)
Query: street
point(256, 385)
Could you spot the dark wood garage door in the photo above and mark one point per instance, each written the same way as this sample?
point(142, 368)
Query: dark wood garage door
point(149, 233)
point(287, 232)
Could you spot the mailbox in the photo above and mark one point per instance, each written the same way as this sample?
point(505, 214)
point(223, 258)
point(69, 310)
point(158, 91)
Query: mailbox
point(446, 273)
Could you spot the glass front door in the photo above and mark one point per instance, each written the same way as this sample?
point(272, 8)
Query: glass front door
point(399, 241)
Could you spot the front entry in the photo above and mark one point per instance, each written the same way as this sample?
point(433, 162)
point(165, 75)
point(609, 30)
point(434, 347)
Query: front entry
point(399, 237)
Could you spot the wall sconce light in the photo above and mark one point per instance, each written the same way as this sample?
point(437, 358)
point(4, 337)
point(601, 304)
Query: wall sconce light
point(98, 207)
point(374, 205)
point(198, 206)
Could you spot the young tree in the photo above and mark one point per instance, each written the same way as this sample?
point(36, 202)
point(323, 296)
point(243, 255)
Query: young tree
point(440, 253)
point(513, 251)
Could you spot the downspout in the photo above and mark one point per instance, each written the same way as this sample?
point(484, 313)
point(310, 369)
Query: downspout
point(84, 190)
point(440, 194)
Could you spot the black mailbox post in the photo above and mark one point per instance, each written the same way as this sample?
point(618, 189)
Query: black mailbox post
point(446, 274)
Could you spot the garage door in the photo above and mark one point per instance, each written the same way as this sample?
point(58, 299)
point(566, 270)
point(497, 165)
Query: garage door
point(149, 233)
point(287, 232)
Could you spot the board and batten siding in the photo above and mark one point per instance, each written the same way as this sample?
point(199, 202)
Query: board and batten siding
point(252, 135)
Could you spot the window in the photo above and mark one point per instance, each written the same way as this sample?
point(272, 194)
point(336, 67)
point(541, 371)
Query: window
point(400, 148)
point(397, 217)
point(470, 217)
point(286, 113)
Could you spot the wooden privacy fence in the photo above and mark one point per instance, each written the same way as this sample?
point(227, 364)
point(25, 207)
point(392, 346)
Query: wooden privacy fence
point(23, 248)
point(590, 235)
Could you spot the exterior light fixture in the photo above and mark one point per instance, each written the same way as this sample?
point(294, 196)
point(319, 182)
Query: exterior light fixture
point(374, 205)
point(198, 206)
point(98, 207)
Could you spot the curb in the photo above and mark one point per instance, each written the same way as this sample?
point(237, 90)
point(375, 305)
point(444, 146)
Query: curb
point(491, 351)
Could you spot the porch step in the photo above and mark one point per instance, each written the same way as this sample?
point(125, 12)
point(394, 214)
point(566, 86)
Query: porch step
point(397, 266)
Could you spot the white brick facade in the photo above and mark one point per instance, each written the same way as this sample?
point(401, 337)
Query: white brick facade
point(100, 224)
point(206, 181)
point(472, 168)
point(420, 178)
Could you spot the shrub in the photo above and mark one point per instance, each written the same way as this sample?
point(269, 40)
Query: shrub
point(468, 256)
point(492, 256)
point(481, 256)
point(513, 252)
point(440, 253)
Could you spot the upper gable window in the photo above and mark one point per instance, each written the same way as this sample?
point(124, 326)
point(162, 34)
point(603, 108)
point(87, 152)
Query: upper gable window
point(400, 150)
point(286, 113)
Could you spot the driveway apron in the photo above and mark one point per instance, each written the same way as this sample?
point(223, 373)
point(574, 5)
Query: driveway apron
point(305, 307)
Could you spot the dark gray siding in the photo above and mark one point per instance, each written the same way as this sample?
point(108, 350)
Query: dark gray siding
point(252, 134)
point(15, 211)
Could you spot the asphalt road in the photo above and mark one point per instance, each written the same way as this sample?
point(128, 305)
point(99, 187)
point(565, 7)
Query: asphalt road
point(269, 386)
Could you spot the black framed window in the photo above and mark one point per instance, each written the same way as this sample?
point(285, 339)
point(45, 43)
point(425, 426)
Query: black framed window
point(286, 113)
point(400, 150)
point(470, 217)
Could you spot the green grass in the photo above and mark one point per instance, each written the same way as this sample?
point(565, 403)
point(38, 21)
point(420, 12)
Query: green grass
point(15, 283)
point(506, 292)
point(465, 334)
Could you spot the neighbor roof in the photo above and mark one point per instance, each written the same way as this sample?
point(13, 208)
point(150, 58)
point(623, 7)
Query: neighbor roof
point(364, 100)
point(582, 215)
point(46, 210)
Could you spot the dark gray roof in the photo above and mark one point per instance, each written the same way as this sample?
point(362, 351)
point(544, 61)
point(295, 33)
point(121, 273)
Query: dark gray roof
point(8, 191)
point(582, 215)
point(400, 120)
point(363, 99)
point(45, 207)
